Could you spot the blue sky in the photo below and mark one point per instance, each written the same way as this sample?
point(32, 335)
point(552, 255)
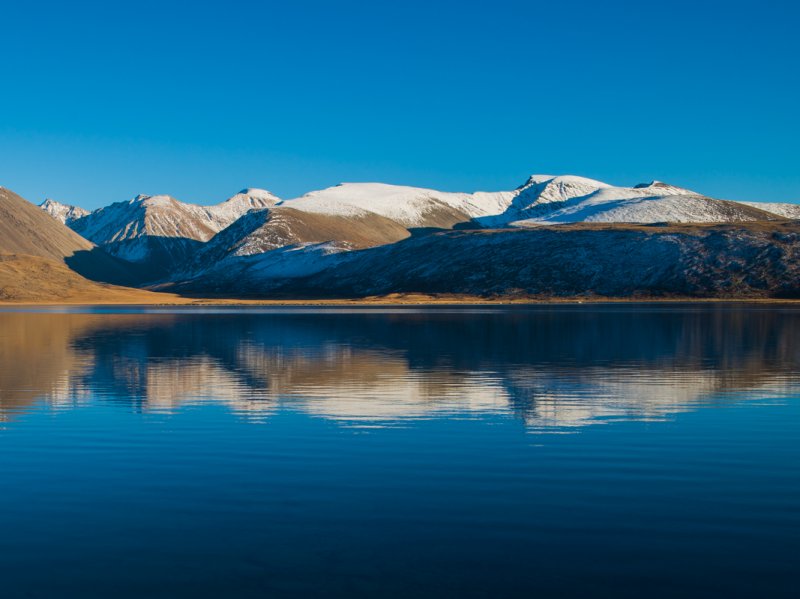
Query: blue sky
point(101, 101)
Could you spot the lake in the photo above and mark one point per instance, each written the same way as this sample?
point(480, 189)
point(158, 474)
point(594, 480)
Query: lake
point(615, 450)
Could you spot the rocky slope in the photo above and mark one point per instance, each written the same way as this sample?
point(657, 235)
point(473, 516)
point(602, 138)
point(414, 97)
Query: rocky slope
point(742, 260)
point(264, 231)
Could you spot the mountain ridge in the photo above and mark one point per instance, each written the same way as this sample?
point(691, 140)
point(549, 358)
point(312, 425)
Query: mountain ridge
point(169, 237)
point(257, 244)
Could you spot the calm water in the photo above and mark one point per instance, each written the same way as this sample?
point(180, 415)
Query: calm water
point(623, 451)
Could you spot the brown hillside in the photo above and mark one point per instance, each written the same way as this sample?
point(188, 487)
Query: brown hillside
point(288, 226)
point(25, 229)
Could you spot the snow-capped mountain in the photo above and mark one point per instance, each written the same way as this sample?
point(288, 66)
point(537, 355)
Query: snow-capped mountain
point(227, 212)
point(412, 207)
point(63, 212)
point(542, 199)
point(162, 230)
point(545, 199)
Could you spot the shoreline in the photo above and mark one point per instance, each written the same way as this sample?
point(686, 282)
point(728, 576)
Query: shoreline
point(395, 300)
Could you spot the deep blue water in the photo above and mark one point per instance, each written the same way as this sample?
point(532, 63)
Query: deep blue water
point(568, 451)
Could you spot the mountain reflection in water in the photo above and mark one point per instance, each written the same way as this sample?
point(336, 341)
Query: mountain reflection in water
point(551, 367)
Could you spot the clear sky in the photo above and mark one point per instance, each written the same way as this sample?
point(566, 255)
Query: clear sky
point(102, 101)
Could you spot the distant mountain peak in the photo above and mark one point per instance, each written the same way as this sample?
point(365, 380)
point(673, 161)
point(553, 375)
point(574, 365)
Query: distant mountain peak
point(662, 188)
point(50, 203)
point(153, 200)
point(250, 197)
point(66, 213)
point(548, 189)
point(255, 192)
point(653, 183)
point(540, 179)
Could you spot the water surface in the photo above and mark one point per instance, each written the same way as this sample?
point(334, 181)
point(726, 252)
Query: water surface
point(565, 451)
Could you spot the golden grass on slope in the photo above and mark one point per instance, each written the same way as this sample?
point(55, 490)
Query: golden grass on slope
point(34, 279)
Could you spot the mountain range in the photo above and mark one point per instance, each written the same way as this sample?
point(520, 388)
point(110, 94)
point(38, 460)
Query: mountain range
point(551, 236)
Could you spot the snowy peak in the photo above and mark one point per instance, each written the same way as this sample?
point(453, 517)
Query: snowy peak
point(164, 216)
point(664, 189)
point(575, 199)
point(544, 189)
point(156, 201)
point(251, 198)
point(546, 199)
point(64, 213)
point(225, 213)
point(254, 194)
